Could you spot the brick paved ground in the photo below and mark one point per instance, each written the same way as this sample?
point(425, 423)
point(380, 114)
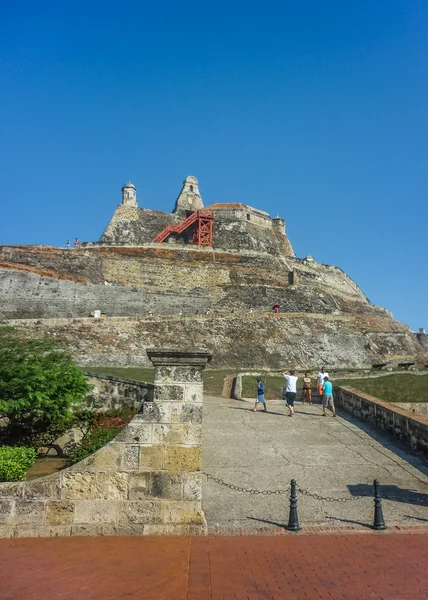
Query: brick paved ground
point(307, 567)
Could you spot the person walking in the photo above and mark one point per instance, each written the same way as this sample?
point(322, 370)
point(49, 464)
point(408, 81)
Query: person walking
point(321, 376)
point(327, 399)
point(307, 391)
point(290, 391)
point(260, 395)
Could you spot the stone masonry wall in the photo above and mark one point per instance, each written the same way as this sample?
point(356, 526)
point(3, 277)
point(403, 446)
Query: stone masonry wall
point(249, 341)
point(402, 424)
point(116, 392)
point(146, 481)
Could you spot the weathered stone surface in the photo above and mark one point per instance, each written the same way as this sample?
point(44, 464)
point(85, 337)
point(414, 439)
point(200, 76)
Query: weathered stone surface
point(136, 433)
point(6, 511)
point(166, 486)
point(91, 529)
point(107, 458)
point(184, 412)
point(157, 412)
point(140, 512)
point(59, 513)
point(95, 511)
point(44, 488)
point(182, 458)
point(168, 393)
point(175, 374)
point(152, 457)
point(24, 531)
point(182, 513)
point(130, 457)
point(94, 486)
point(7, 531)
point(174, 529)
point(139, 486)
point(192, 486)
point(30, 512)
point(11, 490)
point(193, 393)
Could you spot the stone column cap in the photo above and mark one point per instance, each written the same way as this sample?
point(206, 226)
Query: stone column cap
point(193, 357)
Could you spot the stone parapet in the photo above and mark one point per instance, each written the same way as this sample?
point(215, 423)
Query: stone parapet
point(403, 425)
point(146, 481)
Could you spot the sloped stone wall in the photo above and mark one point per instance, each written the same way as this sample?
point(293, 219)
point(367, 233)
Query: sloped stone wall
point(146, 481)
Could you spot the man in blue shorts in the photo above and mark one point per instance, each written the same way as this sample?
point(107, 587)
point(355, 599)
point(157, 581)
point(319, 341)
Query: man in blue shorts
point(260, 395)
point(327, 397)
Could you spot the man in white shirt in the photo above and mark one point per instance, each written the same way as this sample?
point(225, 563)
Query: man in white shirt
point(290, 391)
point(321, 376)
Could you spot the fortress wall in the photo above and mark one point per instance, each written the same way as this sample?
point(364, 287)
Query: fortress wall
point(239, 341)
point(136, 226)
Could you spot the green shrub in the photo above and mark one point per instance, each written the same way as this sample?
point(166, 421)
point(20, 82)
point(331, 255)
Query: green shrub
point(15, 462)
point(101, 429)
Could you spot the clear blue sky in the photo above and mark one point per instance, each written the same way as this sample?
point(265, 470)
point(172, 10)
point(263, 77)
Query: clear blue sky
point(316, 110)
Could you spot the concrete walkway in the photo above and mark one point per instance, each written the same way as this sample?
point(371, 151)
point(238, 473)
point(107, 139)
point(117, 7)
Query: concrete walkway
point(336, 458)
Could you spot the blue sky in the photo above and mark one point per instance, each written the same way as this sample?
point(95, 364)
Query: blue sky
point(313, 110)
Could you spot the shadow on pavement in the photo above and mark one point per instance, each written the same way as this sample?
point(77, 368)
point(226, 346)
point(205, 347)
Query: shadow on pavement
point(391, 492)
point(268, 522)
point(270, 412)
point(330, 518)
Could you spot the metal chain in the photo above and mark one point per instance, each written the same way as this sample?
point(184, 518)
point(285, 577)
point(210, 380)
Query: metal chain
point(238, 488)
point(329, 498)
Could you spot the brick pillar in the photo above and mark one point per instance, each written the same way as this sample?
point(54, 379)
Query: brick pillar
point(176, 415)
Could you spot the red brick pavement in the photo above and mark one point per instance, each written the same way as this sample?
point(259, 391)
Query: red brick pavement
point(302, 567)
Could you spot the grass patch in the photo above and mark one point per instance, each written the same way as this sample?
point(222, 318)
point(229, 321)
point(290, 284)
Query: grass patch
point(392, 388)
point(274, 385)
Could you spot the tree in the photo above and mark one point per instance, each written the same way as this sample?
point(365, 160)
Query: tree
point(39, 383)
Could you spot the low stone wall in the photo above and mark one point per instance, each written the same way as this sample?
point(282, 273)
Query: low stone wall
point(146, 481)
point(116, 392)
point(402, 424)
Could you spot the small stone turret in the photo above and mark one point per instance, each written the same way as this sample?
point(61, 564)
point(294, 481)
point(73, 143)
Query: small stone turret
point(129, 195)
point(189, 198)
point(278, 225)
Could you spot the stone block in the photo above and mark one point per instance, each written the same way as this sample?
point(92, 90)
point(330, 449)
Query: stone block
point(176, 529)
point(136, 432)
point(156, 412)
point(7, 531)
point(166, 486)
point(94, 486)
point(183, 513)
point(182, 458)
point(168, 393)
point(192, 486)
point(193, 392)
point(95, 511)
point(30, 512)
point(107, 529)
point(106, 458)
point(185, 433)
point(6, 511)
point(139, 486)
point(27, 531)
point(44, 488)
point(183, 374)
point(183, 412)
point(12, 490)
point(130, 457)
point(140, 512)
point(161, 433)
point(59, 513)
point(152, 457)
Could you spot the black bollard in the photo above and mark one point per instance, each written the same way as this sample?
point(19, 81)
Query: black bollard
point(378, 522)
point(293, 519)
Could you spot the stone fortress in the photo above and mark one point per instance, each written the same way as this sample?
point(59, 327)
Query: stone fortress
point(225, 258)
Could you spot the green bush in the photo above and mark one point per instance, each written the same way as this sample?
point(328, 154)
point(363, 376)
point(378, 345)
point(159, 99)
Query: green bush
point(101, 429)
point(15, 462)
point(39, 384)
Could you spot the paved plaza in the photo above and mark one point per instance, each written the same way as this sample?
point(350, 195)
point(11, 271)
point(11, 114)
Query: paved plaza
point(337, 458)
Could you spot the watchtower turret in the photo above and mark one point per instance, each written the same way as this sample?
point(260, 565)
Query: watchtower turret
point(189, 198)
point(129, 195)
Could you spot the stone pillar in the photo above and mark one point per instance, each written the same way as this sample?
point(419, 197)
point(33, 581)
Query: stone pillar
point(176, 414)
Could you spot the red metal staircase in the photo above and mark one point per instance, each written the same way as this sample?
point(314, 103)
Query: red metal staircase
point(201, 224)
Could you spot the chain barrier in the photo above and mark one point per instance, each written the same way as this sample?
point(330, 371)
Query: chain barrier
point(410, 500)
point(329, 498)
point(252, 491)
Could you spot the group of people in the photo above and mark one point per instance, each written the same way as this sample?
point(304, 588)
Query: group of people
point(76, 243)
point(324, 387)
